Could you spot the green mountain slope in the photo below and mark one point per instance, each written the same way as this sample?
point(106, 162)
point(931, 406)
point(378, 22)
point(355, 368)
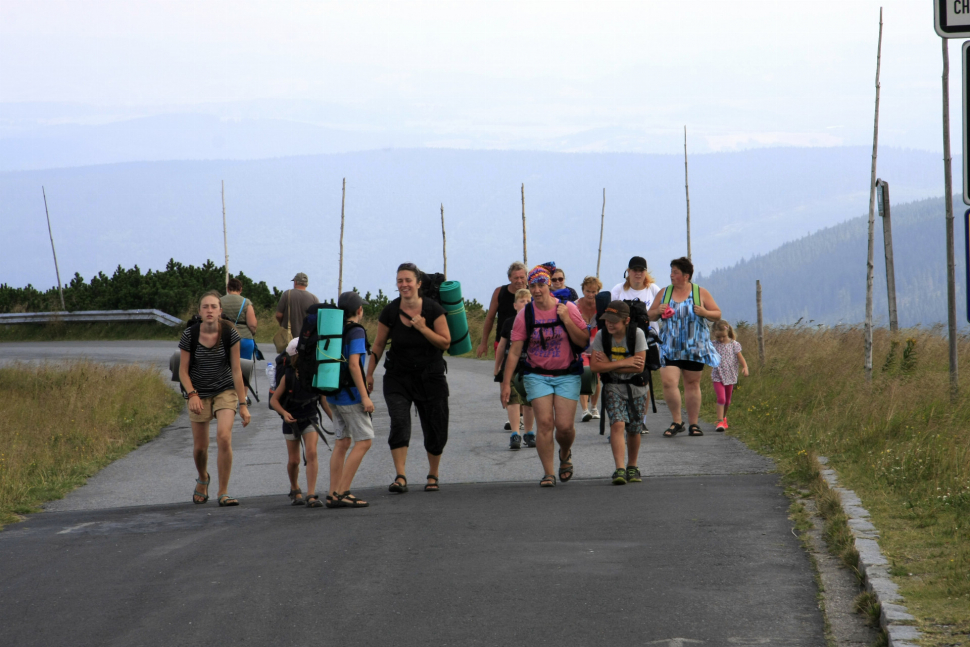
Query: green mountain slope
point(822, 276)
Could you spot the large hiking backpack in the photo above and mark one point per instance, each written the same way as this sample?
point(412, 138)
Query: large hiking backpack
point(431, 286)
point(575, 367)
point(306, 361)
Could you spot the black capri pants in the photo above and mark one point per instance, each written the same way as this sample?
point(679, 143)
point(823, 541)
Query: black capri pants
point(429, 395)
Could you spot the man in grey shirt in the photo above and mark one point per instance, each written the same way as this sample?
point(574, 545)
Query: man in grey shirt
point(297, 301)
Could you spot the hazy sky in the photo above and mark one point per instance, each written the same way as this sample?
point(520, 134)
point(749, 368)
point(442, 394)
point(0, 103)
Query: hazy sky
point(496, 74)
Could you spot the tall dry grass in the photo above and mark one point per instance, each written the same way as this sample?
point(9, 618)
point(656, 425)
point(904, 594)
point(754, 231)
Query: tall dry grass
point(898, 441)
point(63, 423)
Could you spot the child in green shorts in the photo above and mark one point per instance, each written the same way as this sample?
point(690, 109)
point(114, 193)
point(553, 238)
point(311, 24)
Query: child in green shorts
point(517, 397)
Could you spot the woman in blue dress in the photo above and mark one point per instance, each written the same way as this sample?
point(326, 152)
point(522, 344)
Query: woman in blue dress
point(685, 343)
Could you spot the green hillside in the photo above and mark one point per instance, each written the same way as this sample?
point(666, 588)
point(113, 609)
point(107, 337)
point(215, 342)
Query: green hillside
point(822, 277)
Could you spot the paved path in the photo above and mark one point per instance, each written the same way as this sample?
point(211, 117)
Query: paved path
point(701, 550)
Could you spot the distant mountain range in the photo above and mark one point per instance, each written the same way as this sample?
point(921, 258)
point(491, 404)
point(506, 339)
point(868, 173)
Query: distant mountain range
point(822, 277)
point(284, 214)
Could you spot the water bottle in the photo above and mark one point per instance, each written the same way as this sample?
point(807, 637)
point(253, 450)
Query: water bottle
point(271, 373)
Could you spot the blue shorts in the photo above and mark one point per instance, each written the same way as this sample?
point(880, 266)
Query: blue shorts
point(564, 386)
point(246, 347)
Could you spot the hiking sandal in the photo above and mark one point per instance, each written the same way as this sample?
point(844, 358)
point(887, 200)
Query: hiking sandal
point(549, 480)
point(199, 498)
point(333, 500)
point(226, 501)
point(400, 488)
point(313, 501)
point(565, 467)
point(694, 430)
point(348, 500)
point(674, 429)
point(432, 487)
point(296, 496)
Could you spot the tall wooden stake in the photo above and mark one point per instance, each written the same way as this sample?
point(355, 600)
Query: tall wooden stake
point(687, 192)
point(872, 216)
point(599, 254)
point(57, 270)
point(340, 272)
point(951, 291)
point(525, 251)
point(761, 325)
point(444, 241)
point(225, 237)
point(887, 240)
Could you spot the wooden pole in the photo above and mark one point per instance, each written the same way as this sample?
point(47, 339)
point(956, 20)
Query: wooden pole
point(599, 254)
point(872, 210)
point(887, 239)
point(225, 237)
point(444, 241)
point(951, 292)
point(340, 272)
point(761, 325)
point(525, 251)
point(687, 192)
point(50, 233)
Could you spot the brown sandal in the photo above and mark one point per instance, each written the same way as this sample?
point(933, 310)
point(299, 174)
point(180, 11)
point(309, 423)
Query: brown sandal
point(566, 467)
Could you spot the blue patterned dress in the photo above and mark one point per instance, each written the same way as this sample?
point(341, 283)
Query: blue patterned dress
point(685, 336)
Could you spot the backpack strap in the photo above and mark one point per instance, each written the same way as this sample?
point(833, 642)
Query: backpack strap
point(193, 343)
point(239, 314)
point(695, 291)
point(668, 292)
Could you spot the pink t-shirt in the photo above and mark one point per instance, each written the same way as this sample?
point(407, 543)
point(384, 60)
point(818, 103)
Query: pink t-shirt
point(557, 353)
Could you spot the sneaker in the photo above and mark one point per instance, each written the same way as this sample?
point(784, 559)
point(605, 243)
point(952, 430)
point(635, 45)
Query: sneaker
point(633, 474)
point(530, 439)
point(644, 431)
point(515, 442)
point(595, 413)
point(587, 416)
point(725, 423)
point(619, 477)
point(721, 426)
point(508, 427)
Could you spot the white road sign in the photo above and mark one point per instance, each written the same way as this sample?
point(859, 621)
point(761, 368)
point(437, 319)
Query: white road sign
point(952, 18)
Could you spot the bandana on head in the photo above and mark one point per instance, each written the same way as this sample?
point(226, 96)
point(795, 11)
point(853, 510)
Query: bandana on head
point(539, 274)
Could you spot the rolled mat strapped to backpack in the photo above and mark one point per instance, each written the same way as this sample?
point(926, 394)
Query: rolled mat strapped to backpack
point(330, 328)
point(451, 300)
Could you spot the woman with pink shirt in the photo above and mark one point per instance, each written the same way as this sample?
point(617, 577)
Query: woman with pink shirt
point(553, 336)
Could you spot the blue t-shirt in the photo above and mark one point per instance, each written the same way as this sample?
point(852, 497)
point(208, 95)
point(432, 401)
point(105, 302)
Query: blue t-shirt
point(355, 345)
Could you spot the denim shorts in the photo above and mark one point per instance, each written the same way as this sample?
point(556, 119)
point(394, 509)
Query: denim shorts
point(564, 386)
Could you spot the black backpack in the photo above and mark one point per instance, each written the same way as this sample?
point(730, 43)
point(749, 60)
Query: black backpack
point(431, 286)
point(575, 367)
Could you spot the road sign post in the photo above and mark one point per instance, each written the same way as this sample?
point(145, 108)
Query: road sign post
point(952, 18)
point(965, 59)
point(966, 258)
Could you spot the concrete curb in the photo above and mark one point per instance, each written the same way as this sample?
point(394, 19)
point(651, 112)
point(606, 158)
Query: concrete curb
point(874, 567)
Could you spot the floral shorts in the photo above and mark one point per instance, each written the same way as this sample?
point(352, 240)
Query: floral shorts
point(619, 406)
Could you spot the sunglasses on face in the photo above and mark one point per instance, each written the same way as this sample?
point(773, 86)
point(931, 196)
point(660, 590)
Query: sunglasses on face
point(559, 280)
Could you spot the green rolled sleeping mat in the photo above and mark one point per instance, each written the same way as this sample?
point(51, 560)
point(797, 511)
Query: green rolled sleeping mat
point(450, 295)
point(330, 328)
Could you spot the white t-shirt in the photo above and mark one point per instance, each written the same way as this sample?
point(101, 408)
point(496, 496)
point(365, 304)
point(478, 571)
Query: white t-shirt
point(647, 295)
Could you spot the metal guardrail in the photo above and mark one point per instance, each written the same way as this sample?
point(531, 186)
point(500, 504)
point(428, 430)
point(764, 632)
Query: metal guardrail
point(90, 316)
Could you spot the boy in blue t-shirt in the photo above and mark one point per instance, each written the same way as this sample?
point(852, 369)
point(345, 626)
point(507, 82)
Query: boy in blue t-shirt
point(352, 409)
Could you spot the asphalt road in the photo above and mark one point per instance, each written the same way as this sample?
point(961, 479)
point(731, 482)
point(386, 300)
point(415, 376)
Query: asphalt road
point(701, 551)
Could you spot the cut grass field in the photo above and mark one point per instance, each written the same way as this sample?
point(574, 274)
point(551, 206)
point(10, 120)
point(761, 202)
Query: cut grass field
point(898, 442)
point(62, 423)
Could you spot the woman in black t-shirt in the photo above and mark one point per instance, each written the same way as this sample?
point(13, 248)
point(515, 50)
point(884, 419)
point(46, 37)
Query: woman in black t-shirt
point(213, 382)
point(414, 373)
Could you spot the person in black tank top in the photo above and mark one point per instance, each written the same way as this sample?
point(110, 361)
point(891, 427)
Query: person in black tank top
point(501, 307)
point(414, 373)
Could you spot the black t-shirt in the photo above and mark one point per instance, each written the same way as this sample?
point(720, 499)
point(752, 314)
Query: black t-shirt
point(410, 351)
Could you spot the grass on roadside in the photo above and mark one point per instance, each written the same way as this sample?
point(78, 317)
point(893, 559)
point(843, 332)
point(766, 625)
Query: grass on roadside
point(63, 423)
point(898, 442)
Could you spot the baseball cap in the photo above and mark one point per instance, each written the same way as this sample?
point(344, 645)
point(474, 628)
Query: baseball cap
point(291, 347)
point(616, 312)
point(301, 279)
point(350, 302)
point(637, 263)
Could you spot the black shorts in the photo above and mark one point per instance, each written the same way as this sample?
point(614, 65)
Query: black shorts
point(685, 364)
